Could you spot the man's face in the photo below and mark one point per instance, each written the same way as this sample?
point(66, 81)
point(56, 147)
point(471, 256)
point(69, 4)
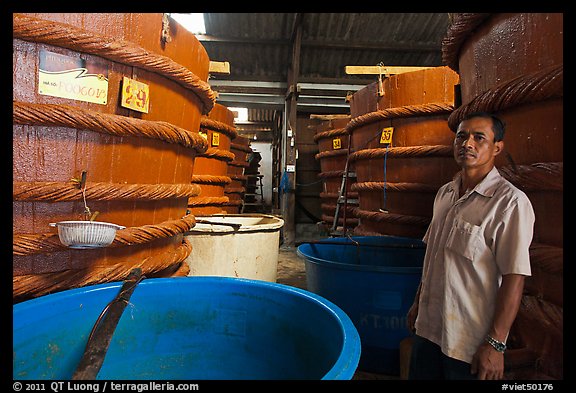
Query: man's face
point(474, 145)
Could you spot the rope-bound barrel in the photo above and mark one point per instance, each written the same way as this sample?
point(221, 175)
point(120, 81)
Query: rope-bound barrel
point(58, 115)
point(28, 28)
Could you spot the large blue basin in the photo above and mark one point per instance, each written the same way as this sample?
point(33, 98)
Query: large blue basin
point(190, 328)
point(374, 280)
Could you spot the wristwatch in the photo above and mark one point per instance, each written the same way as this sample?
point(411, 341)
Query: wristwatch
point(497, 345)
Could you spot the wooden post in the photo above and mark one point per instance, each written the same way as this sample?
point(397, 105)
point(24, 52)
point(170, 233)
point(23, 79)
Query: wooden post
point(289, 136)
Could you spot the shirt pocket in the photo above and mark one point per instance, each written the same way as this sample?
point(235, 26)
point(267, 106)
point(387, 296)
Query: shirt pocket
point(464, 239)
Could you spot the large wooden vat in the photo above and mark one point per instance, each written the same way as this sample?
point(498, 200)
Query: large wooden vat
point(333, 150)
point(211, 167)
point(397, 179)
point(512, 64)
point(138, 165)
point(235, 191)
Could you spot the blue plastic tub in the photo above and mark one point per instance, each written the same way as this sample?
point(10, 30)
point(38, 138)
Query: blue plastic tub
point(374, 280)
point(190, 328)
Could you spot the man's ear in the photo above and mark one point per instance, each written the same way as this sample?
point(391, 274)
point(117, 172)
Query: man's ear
point(498, 147)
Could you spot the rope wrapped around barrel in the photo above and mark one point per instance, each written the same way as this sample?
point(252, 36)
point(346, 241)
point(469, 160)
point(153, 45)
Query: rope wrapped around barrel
point(331, 154)
point(215, 125)
point(392, 218)
point(27, 244)
point(330, 174)
point(401, 186)
point(547, 83)
point(535, 177)
point(207, 201)
point(335, 195)
point(68, 191)
point(218, 154)
point(349, 220)
point(73, 117)
point(34, 285)
point(211, 180)
point(403, 152)
point(32, 29)
point(433, 108)
point(330, 134)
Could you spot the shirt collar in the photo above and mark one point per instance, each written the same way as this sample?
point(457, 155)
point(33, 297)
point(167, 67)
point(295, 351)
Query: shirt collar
point(486, 187)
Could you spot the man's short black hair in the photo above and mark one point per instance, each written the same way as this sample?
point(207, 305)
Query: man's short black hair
point(498, 125)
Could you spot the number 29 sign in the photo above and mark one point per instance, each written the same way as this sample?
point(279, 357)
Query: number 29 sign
point(135, 95)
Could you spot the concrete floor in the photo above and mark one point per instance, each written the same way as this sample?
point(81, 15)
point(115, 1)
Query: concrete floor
point(292, 271)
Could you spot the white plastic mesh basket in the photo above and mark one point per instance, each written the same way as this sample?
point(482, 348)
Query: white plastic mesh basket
point(86, 234)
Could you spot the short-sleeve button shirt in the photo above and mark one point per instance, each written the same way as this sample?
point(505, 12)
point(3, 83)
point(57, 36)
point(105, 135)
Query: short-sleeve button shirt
point(470, 243)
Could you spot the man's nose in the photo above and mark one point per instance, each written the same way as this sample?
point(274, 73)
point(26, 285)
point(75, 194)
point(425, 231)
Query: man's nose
point(469, 141)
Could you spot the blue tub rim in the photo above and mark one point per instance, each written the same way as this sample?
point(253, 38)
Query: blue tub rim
point(343, 368)
point(350, 266)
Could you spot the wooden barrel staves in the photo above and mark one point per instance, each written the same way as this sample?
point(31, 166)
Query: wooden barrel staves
point(519, 57)
point(118, 98)
point(402, 150)
point(211, 167)
point(236, 189)
point(332, 139)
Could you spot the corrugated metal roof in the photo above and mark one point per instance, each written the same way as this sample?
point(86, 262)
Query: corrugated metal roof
point(259, 49)
point(259, 45)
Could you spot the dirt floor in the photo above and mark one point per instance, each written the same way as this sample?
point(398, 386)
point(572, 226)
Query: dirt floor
point(292, 271)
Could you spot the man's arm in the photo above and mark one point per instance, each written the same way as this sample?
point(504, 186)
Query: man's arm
point(488, 362)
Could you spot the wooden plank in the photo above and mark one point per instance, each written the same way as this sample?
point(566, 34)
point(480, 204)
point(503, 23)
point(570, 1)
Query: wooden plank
point(328, 117)
point(384, 70)
point(219, 67)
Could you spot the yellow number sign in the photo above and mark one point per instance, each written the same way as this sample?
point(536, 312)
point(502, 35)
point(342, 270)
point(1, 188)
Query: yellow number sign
point(336, 143)
point(215, 139)
point(135, 95)
point(386, 137)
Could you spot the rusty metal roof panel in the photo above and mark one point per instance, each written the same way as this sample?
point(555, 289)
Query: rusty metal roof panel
point(258, 45)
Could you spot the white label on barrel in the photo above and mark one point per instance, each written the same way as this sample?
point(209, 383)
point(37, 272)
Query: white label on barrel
point(72, 77)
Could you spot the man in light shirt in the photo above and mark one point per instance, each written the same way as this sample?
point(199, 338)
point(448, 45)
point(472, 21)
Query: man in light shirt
point(475, 263)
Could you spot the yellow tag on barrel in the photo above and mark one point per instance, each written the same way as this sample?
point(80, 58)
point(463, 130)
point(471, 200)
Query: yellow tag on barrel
point(386, 136)
point(135, 95)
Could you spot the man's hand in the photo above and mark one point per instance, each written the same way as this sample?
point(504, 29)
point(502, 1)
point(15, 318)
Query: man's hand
point(488, 363)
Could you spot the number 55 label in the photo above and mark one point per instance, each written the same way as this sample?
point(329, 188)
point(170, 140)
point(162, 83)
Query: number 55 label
point(135, 95)
point(386, 136)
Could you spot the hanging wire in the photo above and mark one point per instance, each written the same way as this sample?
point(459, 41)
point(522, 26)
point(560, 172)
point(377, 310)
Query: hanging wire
point(309, 184)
